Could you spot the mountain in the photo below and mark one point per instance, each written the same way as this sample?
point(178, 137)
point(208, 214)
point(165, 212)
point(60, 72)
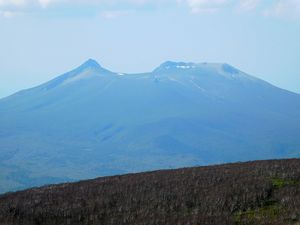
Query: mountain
point(253, 193)
point(94, 122)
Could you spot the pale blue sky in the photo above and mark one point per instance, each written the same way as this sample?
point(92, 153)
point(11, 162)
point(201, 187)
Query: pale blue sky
point(41, 39)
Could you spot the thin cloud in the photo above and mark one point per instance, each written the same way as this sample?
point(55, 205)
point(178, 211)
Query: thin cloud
point(213, 6)
point(13, 2)
point(285, 8)
point(9, 14)
point(210, 6)
point(248, 5)
point(108, 9)
point(45, 3)
point(115, 8)
point(113, 14)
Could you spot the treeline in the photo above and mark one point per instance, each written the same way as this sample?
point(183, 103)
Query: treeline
point(260, 193)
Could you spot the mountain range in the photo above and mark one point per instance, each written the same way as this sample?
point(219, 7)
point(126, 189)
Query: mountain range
point(94, 122)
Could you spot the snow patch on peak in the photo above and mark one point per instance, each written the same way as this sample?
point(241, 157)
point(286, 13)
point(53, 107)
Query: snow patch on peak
point(185, 67)
point(169, 65)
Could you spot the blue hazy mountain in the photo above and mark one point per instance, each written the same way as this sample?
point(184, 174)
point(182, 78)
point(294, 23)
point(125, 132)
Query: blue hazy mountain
point(92, 122)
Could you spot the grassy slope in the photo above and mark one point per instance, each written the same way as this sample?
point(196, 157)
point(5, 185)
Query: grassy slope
point(261, 192)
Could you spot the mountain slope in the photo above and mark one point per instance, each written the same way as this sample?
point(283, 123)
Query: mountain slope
point(260, 193)
point(93, 122)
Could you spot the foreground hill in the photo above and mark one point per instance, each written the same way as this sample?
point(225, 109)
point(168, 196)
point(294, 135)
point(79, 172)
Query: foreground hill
point(92, 122)
point(261, 192)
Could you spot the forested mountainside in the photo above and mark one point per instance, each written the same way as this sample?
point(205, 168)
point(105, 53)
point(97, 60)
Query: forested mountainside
point(260, 193)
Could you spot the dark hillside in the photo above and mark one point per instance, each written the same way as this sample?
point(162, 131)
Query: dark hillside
point(261, 192)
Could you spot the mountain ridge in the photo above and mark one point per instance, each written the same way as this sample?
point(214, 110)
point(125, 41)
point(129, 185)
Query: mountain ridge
point(92, 122)
point(180, 65)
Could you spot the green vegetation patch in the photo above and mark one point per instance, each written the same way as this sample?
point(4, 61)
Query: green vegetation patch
point(269, 209)
point(269, 213)
point(280, 183)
